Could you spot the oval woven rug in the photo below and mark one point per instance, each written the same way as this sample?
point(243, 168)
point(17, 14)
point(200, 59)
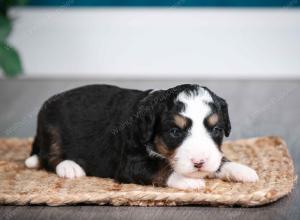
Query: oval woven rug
point(267, 155)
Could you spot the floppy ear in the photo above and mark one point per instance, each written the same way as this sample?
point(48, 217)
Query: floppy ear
point(223, 110)
point(148, 110)
point(146, 121)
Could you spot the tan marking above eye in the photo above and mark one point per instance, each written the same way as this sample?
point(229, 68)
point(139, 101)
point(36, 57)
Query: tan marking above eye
point(180, 121)
point(213, 119)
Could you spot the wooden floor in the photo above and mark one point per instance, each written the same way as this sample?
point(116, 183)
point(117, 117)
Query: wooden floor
point(257, 108)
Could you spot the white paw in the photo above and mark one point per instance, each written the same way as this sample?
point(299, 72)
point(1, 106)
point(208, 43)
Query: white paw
point(32, 161)
point(238, 172)
point(180, 182)
point(69, 169)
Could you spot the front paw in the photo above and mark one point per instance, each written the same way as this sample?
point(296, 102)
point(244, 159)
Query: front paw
point(237, 172)
point(181, 182)
point(69, 169)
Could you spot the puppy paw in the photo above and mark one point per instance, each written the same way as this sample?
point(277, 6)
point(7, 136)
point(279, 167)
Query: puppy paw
point(237, 172)
point(69, 169)
point(32, 162)
point(180, 182)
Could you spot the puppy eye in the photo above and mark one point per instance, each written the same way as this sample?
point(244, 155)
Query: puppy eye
point(217, 131)
point(175, 132)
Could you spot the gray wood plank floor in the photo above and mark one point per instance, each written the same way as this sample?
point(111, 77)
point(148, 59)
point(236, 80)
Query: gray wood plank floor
point(257, 108)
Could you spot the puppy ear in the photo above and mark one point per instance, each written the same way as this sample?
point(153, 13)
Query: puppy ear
point(223, 110)
point(149, 110)
point(147, 120)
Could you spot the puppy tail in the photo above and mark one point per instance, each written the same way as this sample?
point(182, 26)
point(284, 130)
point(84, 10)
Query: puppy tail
point(33, 161)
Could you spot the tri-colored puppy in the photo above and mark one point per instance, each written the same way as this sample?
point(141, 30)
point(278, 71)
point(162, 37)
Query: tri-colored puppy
point(165, 138)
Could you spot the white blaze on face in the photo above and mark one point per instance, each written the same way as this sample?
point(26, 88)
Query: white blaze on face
point(198, 145)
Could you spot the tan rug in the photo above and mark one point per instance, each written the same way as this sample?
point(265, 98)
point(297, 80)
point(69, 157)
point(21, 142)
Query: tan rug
point(267, 155)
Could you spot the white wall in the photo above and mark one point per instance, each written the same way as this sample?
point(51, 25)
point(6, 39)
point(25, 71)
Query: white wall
point(167, 43)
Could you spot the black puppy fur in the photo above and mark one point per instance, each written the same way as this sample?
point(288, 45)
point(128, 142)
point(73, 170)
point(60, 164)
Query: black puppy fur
point(109, 131)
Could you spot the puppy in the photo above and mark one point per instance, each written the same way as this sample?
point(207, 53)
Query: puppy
point(164, 138)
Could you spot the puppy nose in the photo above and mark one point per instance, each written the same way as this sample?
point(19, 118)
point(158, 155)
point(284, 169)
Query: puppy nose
point(198, 163)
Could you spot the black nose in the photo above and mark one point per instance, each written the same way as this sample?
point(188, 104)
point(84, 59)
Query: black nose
point(198, 165)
